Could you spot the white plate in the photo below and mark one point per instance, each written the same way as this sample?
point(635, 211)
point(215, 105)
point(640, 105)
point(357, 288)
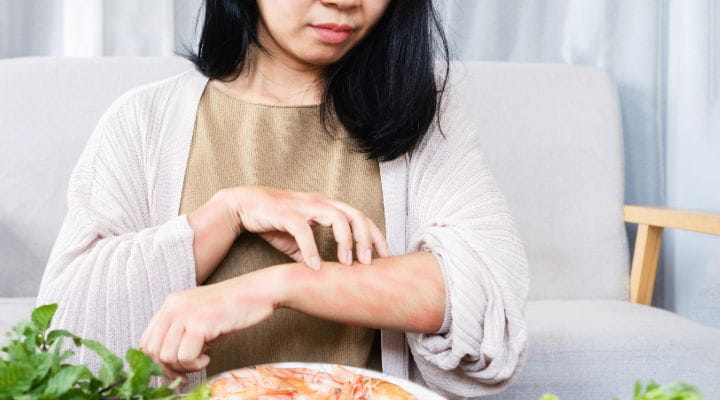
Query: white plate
point(415, 389)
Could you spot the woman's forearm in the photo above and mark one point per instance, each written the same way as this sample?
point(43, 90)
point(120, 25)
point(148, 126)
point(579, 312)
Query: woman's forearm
point(404, 293)
point(215, 230)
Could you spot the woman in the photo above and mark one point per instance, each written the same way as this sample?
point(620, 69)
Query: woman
point(221, 207)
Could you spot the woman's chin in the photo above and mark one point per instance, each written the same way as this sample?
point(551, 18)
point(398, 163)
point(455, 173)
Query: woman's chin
point(323, 57)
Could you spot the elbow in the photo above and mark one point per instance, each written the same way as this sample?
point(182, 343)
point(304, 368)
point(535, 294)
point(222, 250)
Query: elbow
point(468, 379)
point(480, 364)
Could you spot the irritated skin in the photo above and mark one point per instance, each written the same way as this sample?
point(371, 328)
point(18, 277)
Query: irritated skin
point(404, 293)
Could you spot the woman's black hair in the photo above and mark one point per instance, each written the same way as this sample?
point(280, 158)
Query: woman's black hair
point(384, 90)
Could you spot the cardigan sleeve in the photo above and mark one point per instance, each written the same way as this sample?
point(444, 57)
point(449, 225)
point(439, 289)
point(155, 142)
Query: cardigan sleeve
point(456, 211)
point(109, 269)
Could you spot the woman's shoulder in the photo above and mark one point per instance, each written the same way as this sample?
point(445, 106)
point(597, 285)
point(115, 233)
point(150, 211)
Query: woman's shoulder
point(150, 96)
point(452, 126)
point(131, 125)
point(140, 113)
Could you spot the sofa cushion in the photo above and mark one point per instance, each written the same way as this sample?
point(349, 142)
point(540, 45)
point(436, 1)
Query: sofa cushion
point(584, 349)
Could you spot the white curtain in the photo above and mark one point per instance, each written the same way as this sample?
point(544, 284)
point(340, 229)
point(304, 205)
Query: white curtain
point(693, 154)
point(96, 27)
point(663, 54)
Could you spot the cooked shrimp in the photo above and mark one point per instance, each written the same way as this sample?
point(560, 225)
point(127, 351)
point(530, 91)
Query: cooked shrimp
point(269, 383)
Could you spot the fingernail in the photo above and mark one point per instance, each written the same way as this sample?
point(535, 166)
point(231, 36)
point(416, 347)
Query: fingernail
point(315, 262)
point(348, 257)
point(368, 256)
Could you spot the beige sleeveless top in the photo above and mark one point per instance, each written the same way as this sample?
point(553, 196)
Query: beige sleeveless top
point(240, 143)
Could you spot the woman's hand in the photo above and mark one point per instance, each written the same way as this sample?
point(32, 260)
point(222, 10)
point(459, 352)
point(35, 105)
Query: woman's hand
point(191, 320)
point(285, 220)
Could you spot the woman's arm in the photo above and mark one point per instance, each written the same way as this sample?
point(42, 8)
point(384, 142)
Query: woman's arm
point(216, 229)
point(110, 268)
point(457, 211)
point(404, 293)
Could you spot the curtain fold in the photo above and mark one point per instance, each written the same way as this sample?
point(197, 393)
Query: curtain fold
point(693, 155)
point(89, 28)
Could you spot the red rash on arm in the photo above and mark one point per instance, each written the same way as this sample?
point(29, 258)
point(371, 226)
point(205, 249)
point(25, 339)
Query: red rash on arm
point(404, 293)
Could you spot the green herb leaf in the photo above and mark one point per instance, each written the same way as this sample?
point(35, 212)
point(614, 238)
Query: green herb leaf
point(64, 380)
point(16, 378)
point(163, 392)
point(202, 392)
point(31, 367)
point(43, 362)
point(54, 335)
point(19, 350)
point(637, 389)
point(547, 396)
point(112, 368)
point(141, 369)
point(42, 316)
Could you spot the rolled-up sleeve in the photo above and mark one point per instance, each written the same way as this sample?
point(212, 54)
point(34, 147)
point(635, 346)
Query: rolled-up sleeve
point(456, 211)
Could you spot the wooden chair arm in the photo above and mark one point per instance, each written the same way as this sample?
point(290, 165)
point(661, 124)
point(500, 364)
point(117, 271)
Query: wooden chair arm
point(651, 222)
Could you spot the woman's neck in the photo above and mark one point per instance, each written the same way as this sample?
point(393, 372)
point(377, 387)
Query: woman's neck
point(276, 78)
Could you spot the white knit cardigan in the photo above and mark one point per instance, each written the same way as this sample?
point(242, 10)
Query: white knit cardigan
point(123, 248)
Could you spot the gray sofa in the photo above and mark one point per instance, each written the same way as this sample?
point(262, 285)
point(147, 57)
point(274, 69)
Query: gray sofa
point(553, 138)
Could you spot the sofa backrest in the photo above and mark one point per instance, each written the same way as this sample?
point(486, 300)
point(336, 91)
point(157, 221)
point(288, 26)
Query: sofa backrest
point(49, 106)
point(552, 136)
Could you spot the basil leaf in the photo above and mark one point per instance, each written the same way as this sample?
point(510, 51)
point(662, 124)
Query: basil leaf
point(141, 369)
point(16, 378)
point(54, 335)
point(42, 316)
point(112, 368)
point(64, 380)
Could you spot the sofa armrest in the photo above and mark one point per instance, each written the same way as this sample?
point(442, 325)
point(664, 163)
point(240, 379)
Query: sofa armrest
point(651, 222)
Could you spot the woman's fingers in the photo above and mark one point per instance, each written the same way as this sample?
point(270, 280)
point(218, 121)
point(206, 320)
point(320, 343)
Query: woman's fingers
point(303, 234)
point(363, 241)
point(154, 343)
point(350, 226)
point(169, 348)
point(263, 209)
point(328, 215)
point(156, 334)
point(148, 330)
point(180, 352)
point(171, 374)
point(378, 239)
point(366, 233)
point(178, 332)
point(189, 354)
point(284, 242)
